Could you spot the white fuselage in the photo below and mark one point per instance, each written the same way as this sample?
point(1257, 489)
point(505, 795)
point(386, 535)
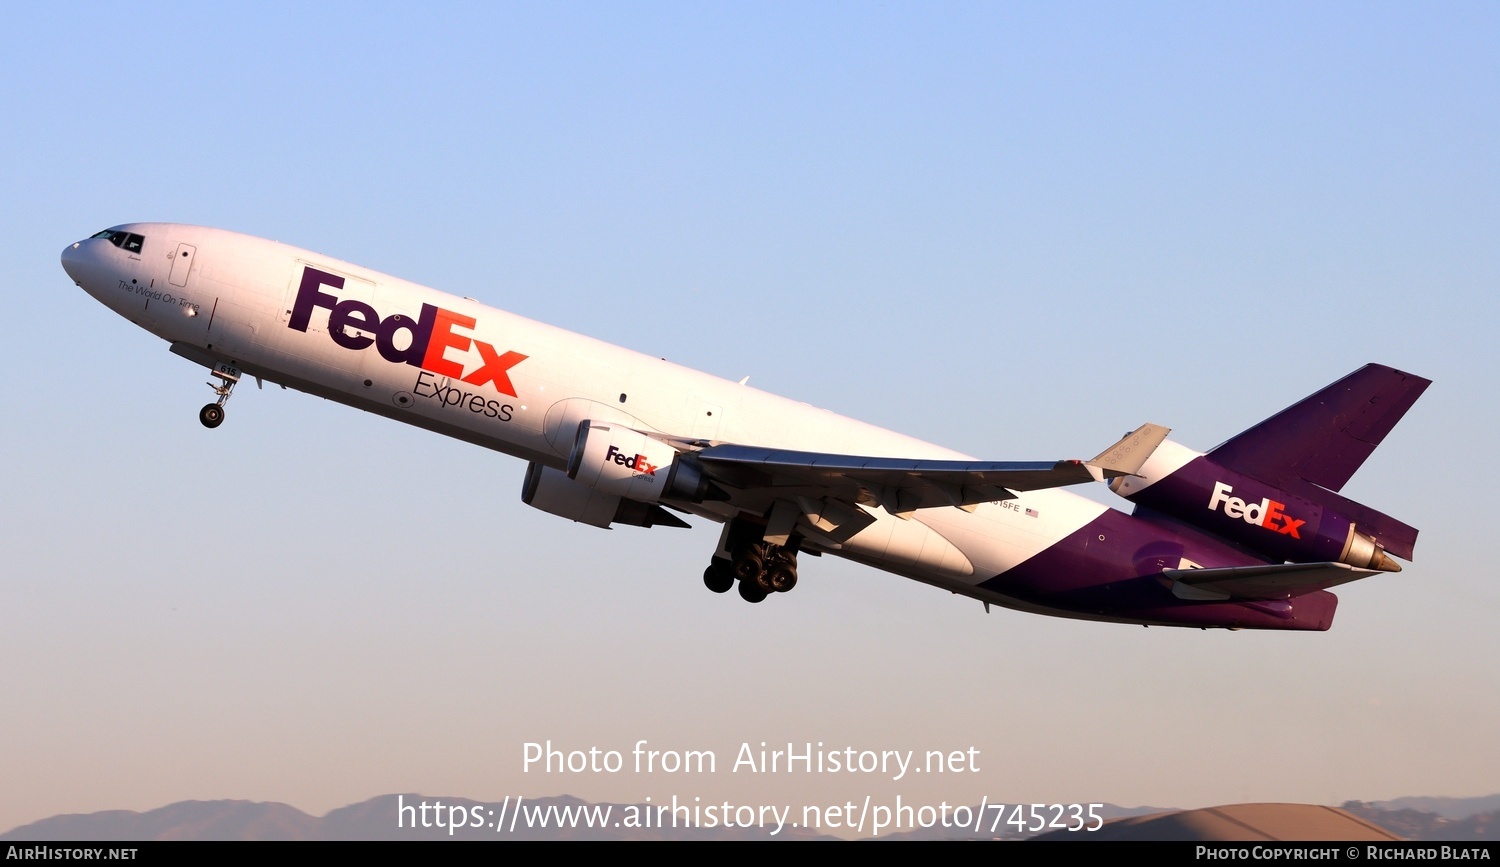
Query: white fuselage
point(517, 386)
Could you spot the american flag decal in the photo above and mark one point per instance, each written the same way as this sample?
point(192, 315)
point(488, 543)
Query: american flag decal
point(1031, 513)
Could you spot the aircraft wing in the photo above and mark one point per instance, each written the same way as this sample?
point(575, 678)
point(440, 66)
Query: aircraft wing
point(902, 486)
point(1272, 581)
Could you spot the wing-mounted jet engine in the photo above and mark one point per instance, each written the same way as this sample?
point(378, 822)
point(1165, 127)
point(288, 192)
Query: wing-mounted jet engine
point(618, 475)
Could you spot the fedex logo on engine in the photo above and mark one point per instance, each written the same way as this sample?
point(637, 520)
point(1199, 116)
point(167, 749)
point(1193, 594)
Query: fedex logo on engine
point(637, 463)
point(353, 324)
point(1267, 513)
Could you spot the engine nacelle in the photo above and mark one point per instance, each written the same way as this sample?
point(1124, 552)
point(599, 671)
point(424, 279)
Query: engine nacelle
point(1261, 516)
point(624, 462)
point(552, 491)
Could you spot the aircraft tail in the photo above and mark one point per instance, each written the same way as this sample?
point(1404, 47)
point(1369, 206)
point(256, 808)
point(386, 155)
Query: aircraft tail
point(1273, 488)
point(1326, 436)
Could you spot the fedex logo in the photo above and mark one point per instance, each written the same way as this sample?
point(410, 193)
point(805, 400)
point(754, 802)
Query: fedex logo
point(637, 463)
point(1267, 513)
point(428, 338)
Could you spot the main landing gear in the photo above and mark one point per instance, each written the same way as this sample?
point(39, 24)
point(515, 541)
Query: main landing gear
point(212, 415)
point(759, 567)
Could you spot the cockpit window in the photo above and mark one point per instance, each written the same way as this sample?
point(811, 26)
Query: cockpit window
point(127, 241)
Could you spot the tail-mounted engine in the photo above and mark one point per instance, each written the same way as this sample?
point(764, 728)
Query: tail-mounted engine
point(1304, 526)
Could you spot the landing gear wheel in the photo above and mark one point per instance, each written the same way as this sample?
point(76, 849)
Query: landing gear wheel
point(748, 566)
point(751, 592)
point(718, 577)
point(782, 579)
point(228, 375)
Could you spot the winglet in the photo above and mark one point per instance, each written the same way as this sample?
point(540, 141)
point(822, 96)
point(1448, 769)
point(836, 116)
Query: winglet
point(1126, 457)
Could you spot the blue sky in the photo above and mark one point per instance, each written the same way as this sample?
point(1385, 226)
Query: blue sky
point(1014, 229)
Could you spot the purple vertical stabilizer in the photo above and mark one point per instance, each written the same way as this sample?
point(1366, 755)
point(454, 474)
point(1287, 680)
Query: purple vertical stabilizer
point(1272, 488)
point(1326, 436)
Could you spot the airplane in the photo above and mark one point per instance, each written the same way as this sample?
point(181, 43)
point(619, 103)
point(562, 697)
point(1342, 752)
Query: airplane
point(1249, 535)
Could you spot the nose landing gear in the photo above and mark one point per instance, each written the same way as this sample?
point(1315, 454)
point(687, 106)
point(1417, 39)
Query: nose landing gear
point(212, 415)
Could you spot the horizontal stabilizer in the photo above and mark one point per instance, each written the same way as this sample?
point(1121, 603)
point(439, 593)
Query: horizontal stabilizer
point(1126, 457)
point(1272, 581)
point(1326, 436)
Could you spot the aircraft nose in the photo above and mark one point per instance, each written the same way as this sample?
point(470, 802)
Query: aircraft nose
point(87, 265)
point(72, 261)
